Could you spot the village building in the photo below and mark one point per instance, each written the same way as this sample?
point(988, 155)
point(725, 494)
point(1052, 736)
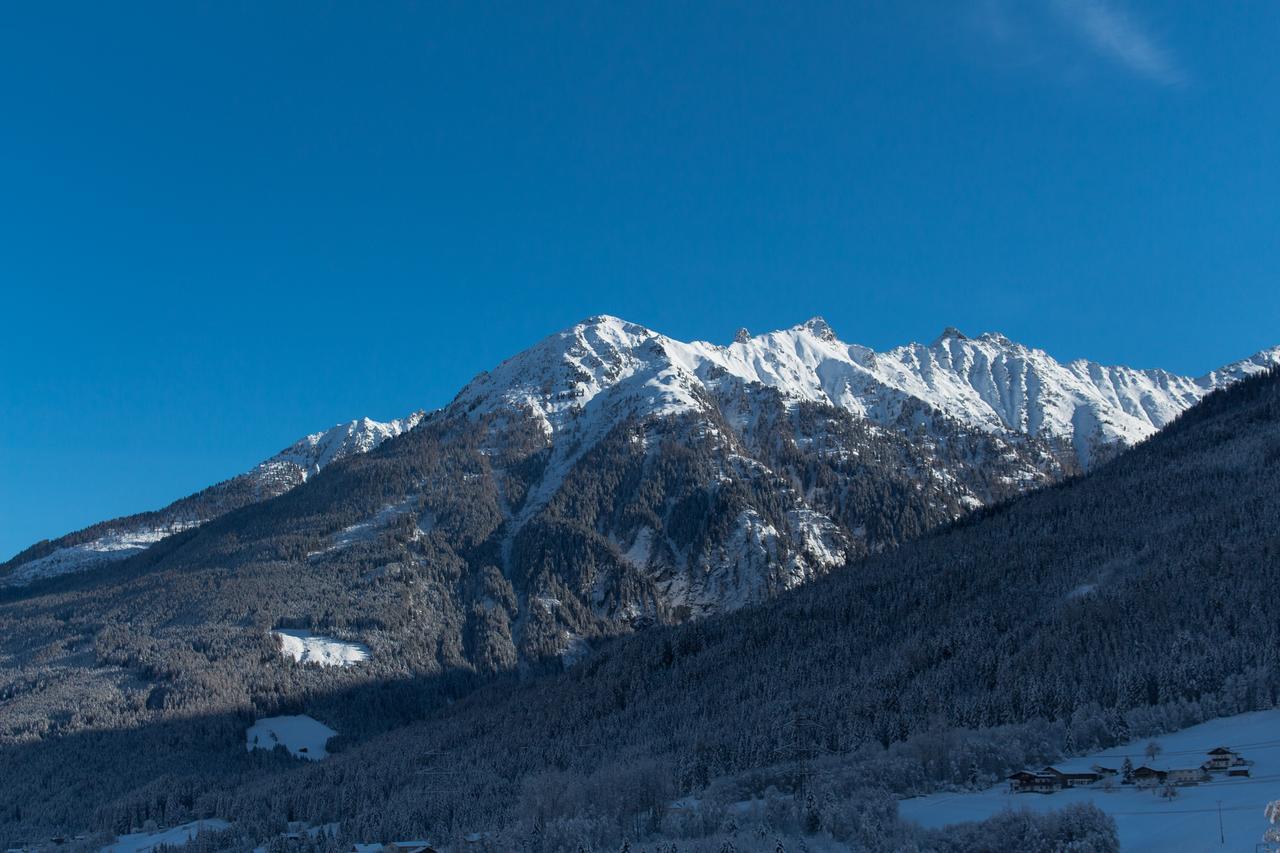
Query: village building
point(1034, 782)
point(1145, 775)
point(1075, 777)
point(1061, 777)
point(1186, 775)
point(1051, 779)
point(1221, 759)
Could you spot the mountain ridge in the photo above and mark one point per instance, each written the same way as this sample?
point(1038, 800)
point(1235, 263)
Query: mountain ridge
point(988, 381)
point(116, 539)
point(580, 382)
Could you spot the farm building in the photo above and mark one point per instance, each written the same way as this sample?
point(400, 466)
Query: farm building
point(1035, 782)
point(1222, 759)
point(1052, 779)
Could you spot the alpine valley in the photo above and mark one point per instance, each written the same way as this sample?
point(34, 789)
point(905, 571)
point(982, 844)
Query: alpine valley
point(607, 482)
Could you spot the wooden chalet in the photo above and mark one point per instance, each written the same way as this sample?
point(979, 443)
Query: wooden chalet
point(1075, 778)
point(1221, 759)
point(1035, 782)
point(1051, 779)
point(1148, 775)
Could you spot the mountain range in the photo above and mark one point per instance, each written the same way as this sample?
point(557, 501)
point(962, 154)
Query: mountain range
point(962, 421)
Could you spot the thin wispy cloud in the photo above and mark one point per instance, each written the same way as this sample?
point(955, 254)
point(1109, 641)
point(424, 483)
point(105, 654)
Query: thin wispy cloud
point(1065, 36)
point(1116, 35)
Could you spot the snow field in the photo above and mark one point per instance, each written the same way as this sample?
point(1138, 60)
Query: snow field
point(303, 736)
point(305, 647)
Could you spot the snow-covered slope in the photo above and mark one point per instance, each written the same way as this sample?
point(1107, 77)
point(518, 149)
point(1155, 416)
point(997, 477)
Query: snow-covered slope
point(590, 375)
point(114, 540)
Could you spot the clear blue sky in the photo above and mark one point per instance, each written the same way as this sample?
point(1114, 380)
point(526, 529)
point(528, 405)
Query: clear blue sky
point(225, 225)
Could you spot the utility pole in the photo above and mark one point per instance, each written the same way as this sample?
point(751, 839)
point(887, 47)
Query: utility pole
point(1222, 839)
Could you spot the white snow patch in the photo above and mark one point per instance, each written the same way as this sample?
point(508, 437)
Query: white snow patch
point(1145, 820)
point(305, 647)
point(303, 736)
point(176, 836)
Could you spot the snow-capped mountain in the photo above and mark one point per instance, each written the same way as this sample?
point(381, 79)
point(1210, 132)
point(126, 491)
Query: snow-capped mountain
point(587, 376)
point(114, 540)
point(965, 421)
point(855, 450)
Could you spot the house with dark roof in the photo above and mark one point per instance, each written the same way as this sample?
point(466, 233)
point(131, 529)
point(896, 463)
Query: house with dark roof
point(1035, 782)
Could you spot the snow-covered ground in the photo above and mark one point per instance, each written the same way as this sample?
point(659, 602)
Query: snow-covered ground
point(1146, 821)
point(111, 546)
point(305, 647)
point(174, 836)
point(303, 736)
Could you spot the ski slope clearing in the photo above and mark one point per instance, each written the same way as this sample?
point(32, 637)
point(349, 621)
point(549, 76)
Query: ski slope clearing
point(175, 836)
point(1146, 821)
point(305, 647)
point(303, 736)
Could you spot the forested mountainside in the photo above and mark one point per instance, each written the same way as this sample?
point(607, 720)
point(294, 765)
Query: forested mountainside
point(581, 383)
point(473, 544)
point(110, 541)
point(1110, 606)
point(1132, 599)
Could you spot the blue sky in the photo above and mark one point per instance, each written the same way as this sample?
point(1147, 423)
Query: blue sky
point(223, 226)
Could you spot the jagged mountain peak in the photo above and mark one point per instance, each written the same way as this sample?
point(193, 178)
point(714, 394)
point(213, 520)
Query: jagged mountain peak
point(313, 452)
point(948, 333)
point(819, 328)
point(989, 382)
